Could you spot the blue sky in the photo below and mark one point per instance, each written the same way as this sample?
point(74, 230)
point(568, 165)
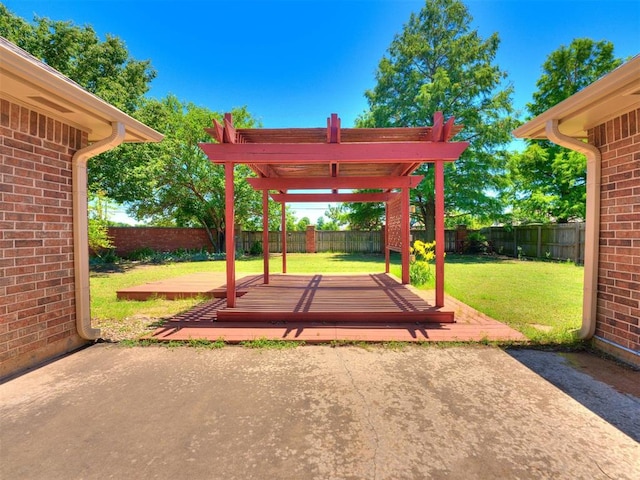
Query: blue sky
point(295, 62)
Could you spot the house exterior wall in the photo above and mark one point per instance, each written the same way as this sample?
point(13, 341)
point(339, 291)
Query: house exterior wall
point(37, 291)
point(619, 266)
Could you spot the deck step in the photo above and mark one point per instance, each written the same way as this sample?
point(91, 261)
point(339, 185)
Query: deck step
point(251, 315)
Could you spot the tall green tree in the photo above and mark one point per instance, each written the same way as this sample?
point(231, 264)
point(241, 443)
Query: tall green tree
point(548, 182)
point(174, 180)
point(569, 69)
point(104, 67)
point(365, 216)
point(439, 63)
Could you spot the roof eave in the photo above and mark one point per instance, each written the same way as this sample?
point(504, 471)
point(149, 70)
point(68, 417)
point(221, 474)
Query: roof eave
point(612, 95)
point(22, 74)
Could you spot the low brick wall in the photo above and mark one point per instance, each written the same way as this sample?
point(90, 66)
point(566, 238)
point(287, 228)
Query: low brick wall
point(161, 239)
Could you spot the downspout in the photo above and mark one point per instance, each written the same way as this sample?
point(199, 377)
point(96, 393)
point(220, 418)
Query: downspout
point(81, 227)
point(592, 227)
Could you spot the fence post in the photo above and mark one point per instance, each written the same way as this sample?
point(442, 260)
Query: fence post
point(539, 241)
point(576, 243)
point(461, 238)
point(311, 239)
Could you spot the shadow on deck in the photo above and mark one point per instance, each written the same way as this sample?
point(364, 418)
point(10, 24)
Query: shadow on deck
point(325, 308)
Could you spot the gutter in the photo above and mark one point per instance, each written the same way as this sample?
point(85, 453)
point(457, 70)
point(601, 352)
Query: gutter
point(81, 227)
point(592, 224)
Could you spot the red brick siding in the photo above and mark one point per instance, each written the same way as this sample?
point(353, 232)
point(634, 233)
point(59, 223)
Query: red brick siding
point(37, 299)
point(619, 267)
point(160, 239)
point(310, 239)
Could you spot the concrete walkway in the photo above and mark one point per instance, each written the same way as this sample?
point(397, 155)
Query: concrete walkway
point(315, 412)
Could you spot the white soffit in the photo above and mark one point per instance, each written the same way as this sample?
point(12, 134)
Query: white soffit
point(614, 94)
point(27, 81)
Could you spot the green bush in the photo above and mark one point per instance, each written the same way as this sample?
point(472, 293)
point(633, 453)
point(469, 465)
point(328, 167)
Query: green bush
point(419, 273)
point(143, 254)
point(419, 268)
point(256, 249)
point(476, 243)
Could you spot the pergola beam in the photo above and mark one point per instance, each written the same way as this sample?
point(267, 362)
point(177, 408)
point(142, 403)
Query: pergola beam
point(332, 197)
point(297, 153)
point(329, 183)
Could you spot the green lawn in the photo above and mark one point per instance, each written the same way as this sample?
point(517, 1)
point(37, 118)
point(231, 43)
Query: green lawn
point(541, 299)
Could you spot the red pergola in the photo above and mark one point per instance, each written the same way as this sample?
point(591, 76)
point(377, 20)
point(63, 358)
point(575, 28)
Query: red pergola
point(335, 159)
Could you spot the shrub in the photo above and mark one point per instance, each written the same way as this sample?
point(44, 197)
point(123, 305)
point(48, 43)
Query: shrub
point(420, 269)
point(256, 249)
point(476, 243)
point(141, 254)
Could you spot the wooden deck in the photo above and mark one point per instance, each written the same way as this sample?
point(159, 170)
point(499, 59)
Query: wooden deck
point(325, 308)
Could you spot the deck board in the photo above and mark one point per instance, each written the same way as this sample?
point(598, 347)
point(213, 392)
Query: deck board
point(366, 298)
point(294, 307)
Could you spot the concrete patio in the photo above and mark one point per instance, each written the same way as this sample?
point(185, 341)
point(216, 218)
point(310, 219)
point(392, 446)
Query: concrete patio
point(316, 412)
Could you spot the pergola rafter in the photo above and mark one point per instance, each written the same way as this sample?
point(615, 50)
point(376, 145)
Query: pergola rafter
point(335, 159)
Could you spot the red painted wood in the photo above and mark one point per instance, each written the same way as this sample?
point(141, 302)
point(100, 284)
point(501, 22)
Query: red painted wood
point(310, 183)
point(447, 132)
point(265, 235)
point(332, 197)
point(364, 153)
point(333, 129)
point(406, 234)
point(438, 124)
point(230, 244)
point(283, 227)
point(386, 238)
point(439, 225)
point(217, 132)
point(240, 315)
point(229, 129)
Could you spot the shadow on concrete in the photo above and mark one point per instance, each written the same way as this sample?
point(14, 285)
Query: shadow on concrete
point(598, 388)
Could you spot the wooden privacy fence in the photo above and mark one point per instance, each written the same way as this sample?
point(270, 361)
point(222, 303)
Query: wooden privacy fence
point(559, 242)
point(343, 241)
point(552, 241)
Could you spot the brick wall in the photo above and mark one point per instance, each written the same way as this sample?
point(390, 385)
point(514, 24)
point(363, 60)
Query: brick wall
point(161, 239)
point(37, 299)
point(619, 267)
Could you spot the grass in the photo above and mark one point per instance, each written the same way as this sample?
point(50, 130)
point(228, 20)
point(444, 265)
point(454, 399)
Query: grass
point(271, 344)
point(543, 300)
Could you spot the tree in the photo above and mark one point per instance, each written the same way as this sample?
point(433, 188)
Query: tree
point(437, 63)
point(98, 227)
point(568, 70)
point(174, 179)
point(337, 217)
point(365, 216)
point(548, 182)
point(302, 224)
point(105, 68)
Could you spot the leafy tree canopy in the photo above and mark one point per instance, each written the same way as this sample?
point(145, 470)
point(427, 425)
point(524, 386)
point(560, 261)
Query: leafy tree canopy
point(568, 70)
point(548, 182)
point(105, 68)
point(439, 63)
point(174, 180)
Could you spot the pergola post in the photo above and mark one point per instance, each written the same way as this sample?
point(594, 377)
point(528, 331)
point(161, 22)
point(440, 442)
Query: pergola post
point(406, 235)
point(283, 227)
point(265, 235)
point(230, 244)
point(386, 238)
point(439, 224)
